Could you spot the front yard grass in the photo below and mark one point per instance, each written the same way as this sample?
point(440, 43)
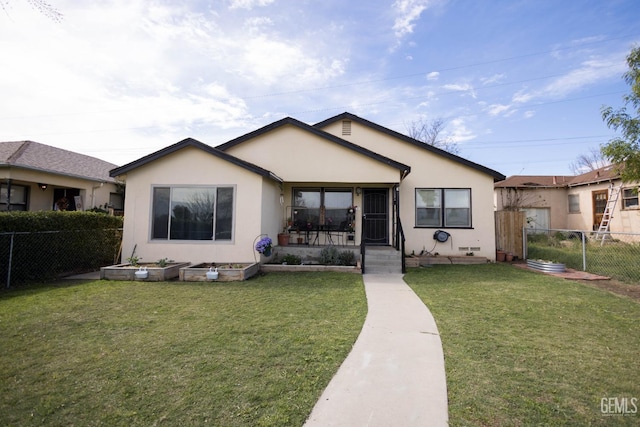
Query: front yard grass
point(255, 353)
point(524, 348)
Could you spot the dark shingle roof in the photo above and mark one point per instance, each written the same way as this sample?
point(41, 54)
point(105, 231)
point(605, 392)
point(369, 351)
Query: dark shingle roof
point(41, 157)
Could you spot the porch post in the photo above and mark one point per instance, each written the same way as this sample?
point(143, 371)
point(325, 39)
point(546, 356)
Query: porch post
point(8, 194)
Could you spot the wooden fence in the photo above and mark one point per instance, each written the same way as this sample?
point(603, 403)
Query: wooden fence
point(509, 225)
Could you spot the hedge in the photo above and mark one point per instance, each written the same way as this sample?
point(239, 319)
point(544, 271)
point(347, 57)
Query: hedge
point(42, 246)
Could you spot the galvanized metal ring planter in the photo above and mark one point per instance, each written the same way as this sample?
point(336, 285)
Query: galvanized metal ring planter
point(546, 266)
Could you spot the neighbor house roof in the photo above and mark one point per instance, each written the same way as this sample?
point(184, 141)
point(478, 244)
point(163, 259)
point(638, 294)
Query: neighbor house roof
point(535, 181)
point(607, 173)
point(604, 174)
point(190, 142)
point(404, 169)
point(497, 176)
point(44, 158)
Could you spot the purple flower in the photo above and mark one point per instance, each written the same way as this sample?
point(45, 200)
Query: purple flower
point(263, 245)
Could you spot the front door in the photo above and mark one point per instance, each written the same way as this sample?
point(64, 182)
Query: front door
point(375, 216)
point(599, 204)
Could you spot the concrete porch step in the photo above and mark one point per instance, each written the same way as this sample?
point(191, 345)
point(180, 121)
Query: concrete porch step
point(382, 260)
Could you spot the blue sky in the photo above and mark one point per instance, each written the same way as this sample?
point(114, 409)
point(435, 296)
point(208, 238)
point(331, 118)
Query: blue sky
point(520, 84)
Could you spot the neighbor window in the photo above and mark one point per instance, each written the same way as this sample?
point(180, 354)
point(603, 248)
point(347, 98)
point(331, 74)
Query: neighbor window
point(574, 203)
point(443, 207)
point(192, 213)
point(17, 199)
point(629, 198)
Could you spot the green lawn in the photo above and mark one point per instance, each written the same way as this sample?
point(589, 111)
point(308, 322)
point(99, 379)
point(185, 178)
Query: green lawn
point(256, 353)
point(523, 348)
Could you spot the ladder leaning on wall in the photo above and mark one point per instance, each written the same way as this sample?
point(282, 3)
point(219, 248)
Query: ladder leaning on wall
point(607, 216)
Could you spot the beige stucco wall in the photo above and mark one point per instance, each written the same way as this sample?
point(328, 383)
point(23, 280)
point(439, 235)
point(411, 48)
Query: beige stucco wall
point(298, 156)
point(193, 167)
point(557, 201)
point(554, 199)
point(93, 193)
point(623, 220)
point(430, 170)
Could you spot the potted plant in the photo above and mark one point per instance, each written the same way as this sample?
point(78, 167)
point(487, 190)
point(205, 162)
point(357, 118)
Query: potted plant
point(264, 246)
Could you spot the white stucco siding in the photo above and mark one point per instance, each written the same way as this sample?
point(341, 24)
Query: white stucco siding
point(430, 170)
point(192, 167)
point(298, 156)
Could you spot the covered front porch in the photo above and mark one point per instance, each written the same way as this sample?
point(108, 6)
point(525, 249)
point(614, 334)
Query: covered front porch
point(340, 214)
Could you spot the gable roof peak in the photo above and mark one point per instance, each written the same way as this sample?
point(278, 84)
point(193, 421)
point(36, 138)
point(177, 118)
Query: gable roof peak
point(497, 176)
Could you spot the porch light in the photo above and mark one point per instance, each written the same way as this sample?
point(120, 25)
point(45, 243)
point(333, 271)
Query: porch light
point(358, 191)
point(43, 186)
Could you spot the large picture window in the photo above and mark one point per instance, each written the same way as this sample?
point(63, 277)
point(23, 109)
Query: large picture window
point(327, 207)
point(443, 207)
point(192, 213)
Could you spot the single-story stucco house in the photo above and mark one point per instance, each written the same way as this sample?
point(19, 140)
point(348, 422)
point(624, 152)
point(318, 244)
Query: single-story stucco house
point(345, 180)
point(39, 177)
point(572, 202)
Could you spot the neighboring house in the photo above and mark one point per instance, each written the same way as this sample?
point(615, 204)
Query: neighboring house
point(193, 202)
point(571, 202)
point(38, 177)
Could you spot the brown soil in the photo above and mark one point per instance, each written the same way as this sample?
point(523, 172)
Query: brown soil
point(616, 287)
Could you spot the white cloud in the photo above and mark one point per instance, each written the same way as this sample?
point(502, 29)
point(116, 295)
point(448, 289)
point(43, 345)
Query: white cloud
point(493, 79)
point(407, 13)
point(434, 75)
point(461, 87)
point(249, 4)
point(588, 73)
point(460, 132)
point(529, 114)
point(496, 109)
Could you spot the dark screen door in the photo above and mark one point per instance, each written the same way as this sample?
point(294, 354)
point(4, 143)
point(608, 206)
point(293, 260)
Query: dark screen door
point(376, 216)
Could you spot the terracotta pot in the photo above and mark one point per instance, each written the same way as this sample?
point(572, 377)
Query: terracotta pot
point(283, 239)
point(509, 257)
point(501, 256)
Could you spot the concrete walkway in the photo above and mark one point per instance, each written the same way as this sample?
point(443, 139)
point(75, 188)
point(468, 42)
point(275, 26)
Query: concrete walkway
point(394, 375)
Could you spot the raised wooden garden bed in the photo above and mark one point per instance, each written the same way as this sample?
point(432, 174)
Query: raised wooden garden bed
point(155, 273)
point(233, 272)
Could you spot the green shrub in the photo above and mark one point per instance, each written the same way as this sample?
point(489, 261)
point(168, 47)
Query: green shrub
point(346, 258)
point(56, 221)
point(291, 259)
point(329, 256)
point(332, 256)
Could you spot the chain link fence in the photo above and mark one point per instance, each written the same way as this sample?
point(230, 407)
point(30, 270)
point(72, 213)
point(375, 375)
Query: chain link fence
point(614, 255)
point(27, 257)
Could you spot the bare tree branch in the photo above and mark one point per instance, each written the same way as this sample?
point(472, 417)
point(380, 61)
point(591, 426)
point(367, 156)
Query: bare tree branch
point(41, 6)
point(589, 162)
point(430, 132)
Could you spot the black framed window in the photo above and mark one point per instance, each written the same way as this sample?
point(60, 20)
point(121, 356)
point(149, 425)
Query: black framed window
point(192, 213)
point(327, 207)
point(17, 200)
point(443, 207)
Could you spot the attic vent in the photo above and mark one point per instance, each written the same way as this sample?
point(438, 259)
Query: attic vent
point(346, 127)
